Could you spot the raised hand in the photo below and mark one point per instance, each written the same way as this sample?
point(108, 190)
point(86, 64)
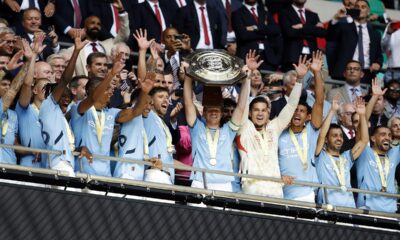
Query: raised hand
point(335, 103)
point(360, 106)
point(302, 67)
point(118, 64)
point(38, 46)
point(147, 84)
point(376, 88)
point(78, 40)
point(85, 152)
point(154, 50)
point(317, 61)
point(141, 38)
point(252, 61)
point(13, 63)
point(49, 9)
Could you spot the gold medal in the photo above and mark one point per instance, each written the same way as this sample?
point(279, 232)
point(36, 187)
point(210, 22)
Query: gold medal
point(383, 189)
point(213, 161)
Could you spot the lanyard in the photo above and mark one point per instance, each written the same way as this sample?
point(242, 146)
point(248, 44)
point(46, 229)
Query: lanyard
point(99, 122)
point(170, 147)
point(70, 135)
point(145, 145)
point(212, 145)
point(339, 170)
point(382, 172)
point(35, 108)
point(302, 154)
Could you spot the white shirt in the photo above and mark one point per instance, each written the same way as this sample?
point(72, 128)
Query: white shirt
point(181, 1)
point(249, 7)
point(201, 44)
point(346, 131)
point(391, 45)
point(350, 92)
point(296, 9)
point(230, 37)
point(163, 26)
point(366, 42)
point(25, 4)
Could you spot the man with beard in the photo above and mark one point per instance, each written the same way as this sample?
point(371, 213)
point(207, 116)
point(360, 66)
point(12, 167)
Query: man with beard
point(376, 172)
point(56, 132)
point(333, 167)
point(297, 143)
point(92, 28)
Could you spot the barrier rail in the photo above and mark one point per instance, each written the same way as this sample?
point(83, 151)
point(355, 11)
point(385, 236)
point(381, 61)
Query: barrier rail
point(206, 191)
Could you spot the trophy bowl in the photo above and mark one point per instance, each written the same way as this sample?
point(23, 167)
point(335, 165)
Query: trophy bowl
point(214, 67)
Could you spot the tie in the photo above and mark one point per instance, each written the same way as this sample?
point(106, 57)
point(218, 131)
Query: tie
point(351, 133)
point(116, 16)
point(360, 46)
point(354, 94)
point(303, 21)
point(77, 14)
point(174, 66)
point(253, 13)
point(205, 28)
point(180, 3)
point(229, 14)
point(94, 48)
point(32, 4)
point(158, 16)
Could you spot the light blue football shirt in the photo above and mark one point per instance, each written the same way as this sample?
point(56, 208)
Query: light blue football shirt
point(327, 175)
point(7, 154)
point(368, 178)
point(131, 145)
point(158, 141)
point(30, 134)
point(201, 152)
point(87, 136)
point(291, 165)
point(54, 131)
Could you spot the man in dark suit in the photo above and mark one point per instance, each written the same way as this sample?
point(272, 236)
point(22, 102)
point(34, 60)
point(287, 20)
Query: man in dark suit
point(69, 16)
point(256, 29)
point(203, 24)
point(31, 23)
point(353, 41)
point(300, 29)
point(154, 16)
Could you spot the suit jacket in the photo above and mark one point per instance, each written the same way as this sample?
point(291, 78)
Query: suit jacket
point(344, 96)
point(268, 34)
point(345, 43)
point(191, 26)
point(293, 38)
point(347, 143)
point(47, 51)
point(64, 16)
point(15, 19)
point(142, 16)
point(277, 106)
point(122, 36)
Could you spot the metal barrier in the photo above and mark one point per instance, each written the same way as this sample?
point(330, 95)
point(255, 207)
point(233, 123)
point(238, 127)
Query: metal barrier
point(206, 191)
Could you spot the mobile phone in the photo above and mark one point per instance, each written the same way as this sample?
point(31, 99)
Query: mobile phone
point(354, 13)
point(179, 92)
point(179, 37)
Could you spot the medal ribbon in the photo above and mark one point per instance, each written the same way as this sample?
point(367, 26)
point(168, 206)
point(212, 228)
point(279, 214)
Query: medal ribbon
point(302, 154)
point(382, 172)
point(339, 170)
point(212, 142)
point(70, 136)
point(170, 147)
point(100, 122)
point(35, 108)
point(145, 145)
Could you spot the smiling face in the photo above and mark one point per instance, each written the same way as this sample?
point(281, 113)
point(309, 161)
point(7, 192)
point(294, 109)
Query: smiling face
point(160, 102)
point(8, 47)
point(31, 21)
point(213, 115)
point(334, 138)
point(381, 139)
point(395, 128)
point(259, 114)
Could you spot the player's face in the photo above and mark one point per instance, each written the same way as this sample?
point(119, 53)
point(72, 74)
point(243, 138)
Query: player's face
point(65, 100)
point(4, 86)
point(300, 116)
point(334, 139)
point(395, 128)
point(382, 139)
point(160, 102)
point(32, 21)
point(98, 68)
point(213, 115)
point(259, 114)
point(147, 107)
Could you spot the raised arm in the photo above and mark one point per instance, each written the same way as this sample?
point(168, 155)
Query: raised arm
point(130, 113)
point(362, 128)
point(317, 110)
point(124, 31)
point(252, 64)
point(98, 92)
point(30, 54)
point(144, 44)
point(16, 83)
point(376, 93)
point(190, 109)
point(69, 70)
point(327, 122)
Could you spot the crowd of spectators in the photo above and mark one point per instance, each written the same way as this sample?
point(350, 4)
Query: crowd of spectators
point(108, 78)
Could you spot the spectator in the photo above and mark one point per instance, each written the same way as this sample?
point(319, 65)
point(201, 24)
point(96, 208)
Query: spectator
point(345, 121)
point(43, 70)
point(347, 47)
point(394, 125)
point(57, 64)
point(203, 24)
point(7, 37)
point(352, 88)
point(289, 81)
point(391, 45)
point(96, 65)
point(4, 60)
point(256, 29)
point(300, 29)
point(392, 99)
point(78, 88)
